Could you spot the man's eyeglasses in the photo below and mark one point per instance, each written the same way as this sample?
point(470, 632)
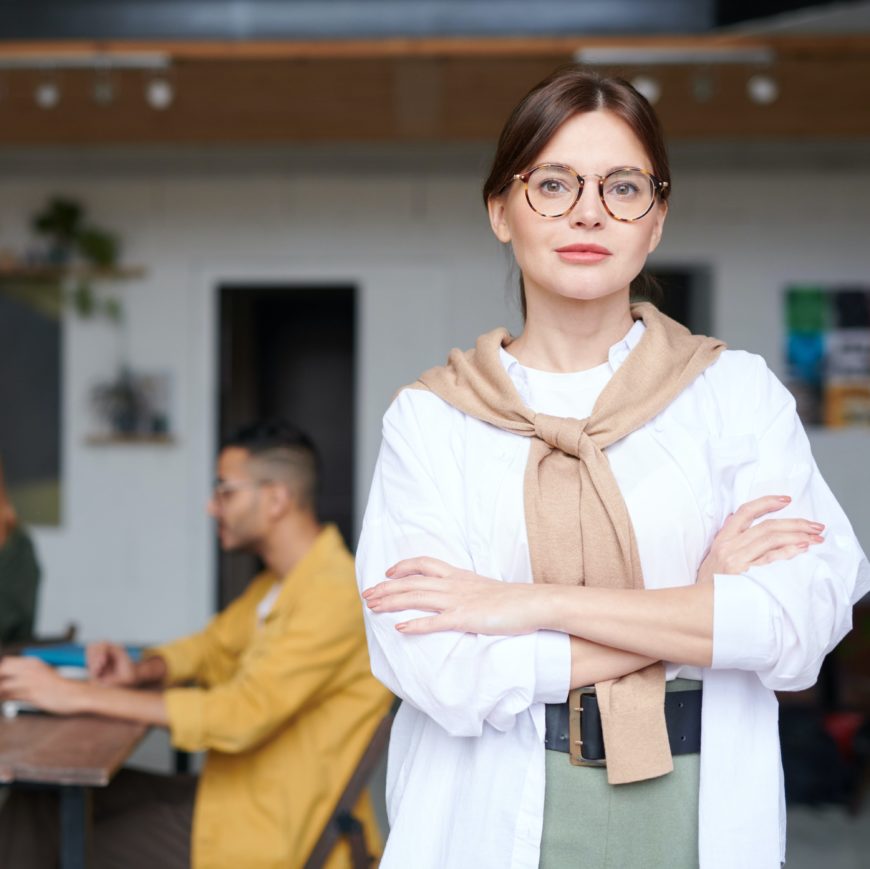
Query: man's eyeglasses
point(223, 489)
point(627, 194)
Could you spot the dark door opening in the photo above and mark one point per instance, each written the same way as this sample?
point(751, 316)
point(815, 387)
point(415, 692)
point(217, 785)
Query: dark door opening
point(686, 296)
point(289, 351)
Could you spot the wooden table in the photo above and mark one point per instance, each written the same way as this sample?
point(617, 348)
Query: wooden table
point(74, 754)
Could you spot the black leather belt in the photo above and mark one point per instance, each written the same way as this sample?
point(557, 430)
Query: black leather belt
point(682, 717)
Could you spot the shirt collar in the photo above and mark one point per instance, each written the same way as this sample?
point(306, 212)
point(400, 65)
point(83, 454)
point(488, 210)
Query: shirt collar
point(617, 354)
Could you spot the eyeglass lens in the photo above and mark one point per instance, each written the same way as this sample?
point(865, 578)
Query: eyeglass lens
point(553, 190)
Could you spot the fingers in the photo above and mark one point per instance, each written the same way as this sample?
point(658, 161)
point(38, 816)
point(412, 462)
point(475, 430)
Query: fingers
point(425, 625)
point(774, 534)
point(747, 513)
point(96, 658)
point(418, 593)
point(422, 565)
point(784, 553)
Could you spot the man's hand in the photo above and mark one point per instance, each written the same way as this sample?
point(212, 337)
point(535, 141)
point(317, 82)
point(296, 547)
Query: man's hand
point(741, 544)
point(35, 682)
point(109, 664)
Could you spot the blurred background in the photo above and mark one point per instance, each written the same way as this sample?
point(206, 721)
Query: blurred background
point(213, 210)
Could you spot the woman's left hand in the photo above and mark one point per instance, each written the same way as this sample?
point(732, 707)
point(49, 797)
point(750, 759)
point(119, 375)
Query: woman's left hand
point(461, 600)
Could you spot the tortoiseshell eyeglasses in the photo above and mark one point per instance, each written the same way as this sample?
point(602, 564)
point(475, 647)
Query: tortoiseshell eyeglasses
point(627, 193)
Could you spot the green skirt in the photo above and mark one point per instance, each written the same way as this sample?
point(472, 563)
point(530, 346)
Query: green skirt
point(590, 824)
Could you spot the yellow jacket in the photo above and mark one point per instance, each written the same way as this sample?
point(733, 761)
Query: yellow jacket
point(285, 710)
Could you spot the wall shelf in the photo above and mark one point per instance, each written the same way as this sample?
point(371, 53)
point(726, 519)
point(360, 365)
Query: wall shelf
point(48, 273)
point(159, 440)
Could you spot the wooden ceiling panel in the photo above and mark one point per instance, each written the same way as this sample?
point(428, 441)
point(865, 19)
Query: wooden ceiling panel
point(411, 91)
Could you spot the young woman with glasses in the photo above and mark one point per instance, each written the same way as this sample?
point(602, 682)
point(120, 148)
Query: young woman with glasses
point(584, 560)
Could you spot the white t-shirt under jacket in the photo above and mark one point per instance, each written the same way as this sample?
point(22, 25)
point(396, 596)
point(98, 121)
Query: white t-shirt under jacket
point(465, 782)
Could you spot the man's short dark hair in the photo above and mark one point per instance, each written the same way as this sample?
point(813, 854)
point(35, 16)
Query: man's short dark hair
point(282, 453)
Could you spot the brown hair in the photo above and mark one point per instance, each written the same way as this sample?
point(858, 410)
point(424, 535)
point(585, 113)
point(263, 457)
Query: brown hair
point(570, 91)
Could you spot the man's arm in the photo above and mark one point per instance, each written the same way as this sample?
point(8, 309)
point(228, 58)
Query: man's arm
point(33, 681)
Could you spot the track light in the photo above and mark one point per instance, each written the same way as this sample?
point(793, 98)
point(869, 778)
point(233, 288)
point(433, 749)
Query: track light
point(47, 95)
point(648, 87)
point(159, 93)
point(762, 89)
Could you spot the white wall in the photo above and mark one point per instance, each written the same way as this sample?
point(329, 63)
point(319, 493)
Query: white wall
point(134, 556)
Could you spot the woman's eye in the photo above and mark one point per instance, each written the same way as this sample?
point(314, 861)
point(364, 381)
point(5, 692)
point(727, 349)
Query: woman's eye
point(623, 189)
point(552, 186)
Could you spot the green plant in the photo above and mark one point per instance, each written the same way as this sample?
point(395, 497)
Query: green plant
point(62, 223)
point(98, 247)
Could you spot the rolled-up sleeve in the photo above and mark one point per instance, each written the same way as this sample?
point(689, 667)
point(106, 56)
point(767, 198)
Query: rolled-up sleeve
point(416, 509)
point(781, 619)
point(291, 665)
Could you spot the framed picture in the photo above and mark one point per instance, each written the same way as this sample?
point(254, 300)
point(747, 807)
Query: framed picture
point(828, 354)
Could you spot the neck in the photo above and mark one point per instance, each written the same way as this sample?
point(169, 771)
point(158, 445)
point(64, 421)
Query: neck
point(289, 542)
point(564, 335)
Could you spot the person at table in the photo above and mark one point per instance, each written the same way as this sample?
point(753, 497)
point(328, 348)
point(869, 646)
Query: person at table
point(19, 574)
point(283, 701)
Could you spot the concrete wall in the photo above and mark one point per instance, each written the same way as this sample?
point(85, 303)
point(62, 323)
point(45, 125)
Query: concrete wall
point(134, 556)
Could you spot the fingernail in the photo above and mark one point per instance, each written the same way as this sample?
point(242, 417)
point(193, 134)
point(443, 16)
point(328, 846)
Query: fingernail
point(817, 525)
point(367, 593)
point(391, 571)
point(803, 545)
point(401, 627)
point(784, 498)
point(818, 539)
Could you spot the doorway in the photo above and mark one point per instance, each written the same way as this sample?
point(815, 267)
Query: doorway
point(288, 351)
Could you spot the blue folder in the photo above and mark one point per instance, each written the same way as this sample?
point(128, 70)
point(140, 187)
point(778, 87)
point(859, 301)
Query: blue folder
point(69, 654)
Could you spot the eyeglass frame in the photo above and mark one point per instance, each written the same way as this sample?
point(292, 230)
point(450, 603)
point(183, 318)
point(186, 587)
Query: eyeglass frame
point(222, 488)
point(658, 187)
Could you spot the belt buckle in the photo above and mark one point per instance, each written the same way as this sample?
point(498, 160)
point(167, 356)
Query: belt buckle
point(575, 729)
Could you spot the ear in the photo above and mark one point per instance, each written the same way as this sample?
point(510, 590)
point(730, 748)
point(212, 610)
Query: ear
point(658, 227)
point(497, 208)
point(279, 500)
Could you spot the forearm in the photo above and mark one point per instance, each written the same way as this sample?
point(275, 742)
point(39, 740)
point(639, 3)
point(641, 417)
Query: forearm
point(146, 707)
point(592, 662)
point(672, 624)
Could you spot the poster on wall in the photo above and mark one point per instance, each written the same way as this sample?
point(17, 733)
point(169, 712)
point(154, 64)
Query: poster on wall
point(828, 354)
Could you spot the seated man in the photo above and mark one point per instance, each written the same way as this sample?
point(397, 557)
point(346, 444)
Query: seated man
point(19, 574)
point(283, 701)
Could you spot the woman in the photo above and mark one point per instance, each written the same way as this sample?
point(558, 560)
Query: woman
point(576, 507)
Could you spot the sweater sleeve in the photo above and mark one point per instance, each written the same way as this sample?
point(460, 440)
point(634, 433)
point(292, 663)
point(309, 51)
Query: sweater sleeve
point(462, 681)
point(19, 580)
point(781, 619)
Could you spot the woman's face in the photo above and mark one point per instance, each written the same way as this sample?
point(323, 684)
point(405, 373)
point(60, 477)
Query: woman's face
point(593, 143)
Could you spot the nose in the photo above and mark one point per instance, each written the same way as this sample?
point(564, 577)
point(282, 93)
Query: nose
point(212, 507)
point(589, 210)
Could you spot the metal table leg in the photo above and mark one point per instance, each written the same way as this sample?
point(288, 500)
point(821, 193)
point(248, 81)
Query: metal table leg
point(75, 827)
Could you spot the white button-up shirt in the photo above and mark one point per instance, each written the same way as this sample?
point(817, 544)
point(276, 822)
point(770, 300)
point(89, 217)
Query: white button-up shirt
point(465, 782)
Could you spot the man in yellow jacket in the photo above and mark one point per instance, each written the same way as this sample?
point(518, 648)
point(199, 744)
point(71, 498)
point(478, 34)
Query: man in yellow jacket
point(277, 689)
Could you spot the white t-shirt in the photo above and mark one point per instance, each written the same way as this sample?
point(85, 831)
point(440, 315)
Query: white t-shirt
point(465, 782)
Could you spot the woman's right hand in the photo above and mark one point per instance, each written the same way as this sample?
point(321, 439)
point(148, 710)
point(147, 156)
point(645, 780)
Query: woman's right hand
point(109, 664)
point(741, 545)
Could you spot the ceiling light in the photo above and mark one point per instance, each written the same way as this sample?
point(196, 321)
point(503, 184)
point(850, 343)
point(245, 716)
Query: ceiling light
point(159, 93)
point(762, 89)
point(647, 87)
point(47, 95)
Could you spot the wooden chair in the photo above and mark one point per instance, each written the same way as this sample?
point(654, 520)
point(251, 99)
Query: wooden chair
point(342, 822)
point(68, 636)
